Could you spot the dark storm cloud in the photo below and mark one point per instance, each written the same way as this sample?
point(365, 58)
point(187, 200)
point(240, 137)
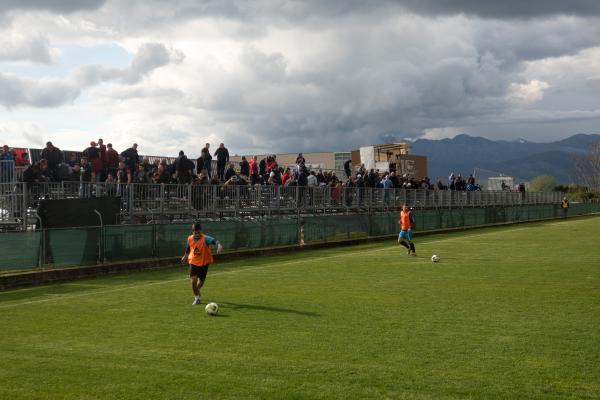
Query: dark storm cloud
point(60, 6)
point(504, 9)
point(296, 11)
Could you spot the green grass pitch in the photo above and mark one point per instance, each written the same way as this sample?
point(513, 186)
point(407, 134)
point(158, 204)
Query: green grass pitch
point(508, 313)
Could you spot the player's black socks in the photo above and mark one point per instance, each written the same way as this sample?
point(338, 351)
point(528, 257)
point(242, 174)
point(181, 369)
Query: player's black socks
point(412, 247)
point(405, 245)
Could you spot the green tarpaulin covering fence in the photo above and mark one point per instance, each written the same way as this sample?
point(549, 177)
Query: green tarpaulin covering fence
point(88, 246)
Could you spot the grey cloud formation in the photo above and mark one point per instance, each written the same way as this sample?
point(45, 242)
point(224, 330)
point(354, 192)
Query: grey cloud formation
point(504, 9)
point(294, 12)
point(148, 58)
point(284, 75)
point(33, 48)
point(18, 91)
point(59, 6)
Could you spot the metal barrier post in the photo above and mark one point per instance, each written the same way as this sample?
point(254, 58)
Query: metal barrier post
point(130, 189)
point(42, 243)
point(101, 255)
point(25, 194)
point(189, 198)
point(236, 199)
point(161, 202)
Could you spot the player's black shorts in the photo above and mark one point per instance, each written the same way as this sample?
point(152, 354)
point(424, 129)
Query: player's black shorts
point(200, 272)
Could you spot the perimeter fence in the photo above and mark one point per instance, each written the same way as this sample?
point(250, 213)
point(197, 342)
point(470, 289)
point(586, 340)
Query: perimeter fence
point(141, 203)
point(73, 247)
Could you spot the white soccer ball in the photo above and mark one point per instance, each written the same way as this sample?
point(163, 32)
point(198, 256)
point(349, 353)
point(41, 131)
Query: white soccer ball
point(435, 258)
point(212, 308)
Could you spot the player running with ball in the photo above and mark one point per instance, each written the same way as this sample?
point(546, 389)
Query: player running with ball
point(199, 256)
point(406, 223)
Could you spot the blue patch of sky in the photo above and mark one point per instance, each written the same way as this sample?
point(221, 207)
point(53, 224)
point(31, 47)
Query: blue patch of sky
point(109, 55)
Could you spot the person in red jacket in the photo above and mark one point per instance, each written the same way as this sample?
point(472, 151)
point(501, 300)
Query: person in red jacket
point(198, 254)
point(112, 160)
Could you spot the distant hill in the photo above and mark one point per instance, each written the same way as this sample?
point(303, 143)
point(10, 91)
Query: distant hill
point(464, 154)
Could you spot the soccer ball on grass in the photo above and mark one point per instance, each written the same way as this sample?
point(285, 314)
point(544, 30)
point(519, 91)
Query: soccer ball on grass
point(212, 308)
point(435, 258)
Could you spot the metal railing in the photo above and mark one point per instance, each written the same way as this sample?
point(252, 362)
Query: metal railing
point(145, 202)
point(8, 171)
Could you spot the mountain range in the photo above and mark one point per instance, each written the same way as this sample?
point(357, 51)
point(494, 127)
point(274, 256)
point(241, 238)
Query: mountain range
point(520, 158)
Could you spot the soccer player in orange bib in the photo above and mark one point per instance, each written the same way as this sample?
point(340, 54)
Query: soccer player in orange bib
point(406, 223)
point(198, 254)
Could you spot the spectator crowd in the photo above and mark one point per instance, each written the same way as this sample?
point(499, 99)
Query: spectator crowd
point(102, 163)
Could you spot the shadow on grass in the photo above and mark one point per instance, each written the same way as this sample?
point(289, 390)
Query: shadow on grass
point(235, 306)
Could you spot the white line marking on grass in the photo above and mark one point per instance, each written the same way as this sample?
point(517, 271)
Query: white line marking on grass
point(241, 269)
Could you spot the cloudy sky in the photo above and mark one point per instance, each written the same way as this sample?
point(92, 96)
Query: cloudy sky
point(286, 75)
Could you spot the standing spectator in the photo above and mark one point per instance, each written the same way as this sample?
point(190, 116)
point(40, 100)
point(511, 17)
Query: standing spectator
point(373, 178)
point(207, 159)
point(54, 157)
point(222, 155)
point(386, 184)
point(86, 170)
point(348, 193)
point(262, 168)
point(253, 170)
point(394, 179)
point(112, 160)
point(184, 168)
point(311, 180)
point(271, 163)
point(92, 154)
point(244, 167)
point(102, 160)
point(348, 168)
point(7, 164)
point(124, 173)
point(321, 178)
point(336, 192)
point(471, 180)
point(300, 159)
point(131, 158)
point(302, 183)
point(285, 177)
